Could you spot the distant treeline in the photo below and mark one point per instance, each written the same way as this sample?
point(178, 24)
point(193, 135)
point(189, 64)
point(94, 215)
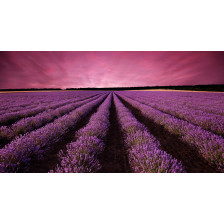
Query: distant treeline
point(31, 89)
point(216, 88)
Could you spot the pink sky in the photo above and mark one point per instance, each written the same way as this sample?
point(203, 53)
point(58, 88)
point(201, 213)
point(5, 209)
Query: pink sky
point(109, 69)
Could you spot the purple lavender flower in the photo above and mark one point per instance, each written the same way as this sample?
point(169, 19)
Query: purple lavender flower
point(22, 148)
point(82, 156)
point(144, 150)
point(209, 145)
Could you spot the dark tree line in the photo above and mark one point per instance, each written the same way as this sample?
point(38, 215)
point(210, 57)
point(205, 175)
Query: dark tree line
point(31, 89)
point(217, 88)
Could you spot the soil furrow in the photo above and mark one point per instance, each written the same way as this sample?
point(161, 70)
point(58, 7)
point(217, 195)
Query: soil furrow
point(172, 144)
point(114, 159)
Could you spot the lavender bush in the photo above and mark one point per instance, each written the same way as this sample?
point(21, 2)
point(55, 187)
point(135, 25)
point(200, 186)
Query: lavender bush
point(206, 120)
point(31, 123)
point(20, 151)
point(209, 145)
point(81, 155)
point(144, 150)
point(13, 116)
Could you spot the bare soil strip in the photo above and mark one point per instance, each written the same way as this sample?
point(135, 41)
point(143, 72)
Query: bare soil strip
point(172, 144)
point(114, 159)
point(51, 156)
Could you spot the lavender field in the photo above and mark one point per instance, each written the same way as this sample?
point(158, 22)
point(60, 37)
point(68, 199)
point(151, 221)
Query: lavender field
point(115, 132)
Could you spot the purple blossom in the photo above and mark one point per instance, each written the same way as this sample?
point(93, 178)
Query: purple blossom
point(22, 148)
point(144, 150)
point(82, 155)
point(209, 145)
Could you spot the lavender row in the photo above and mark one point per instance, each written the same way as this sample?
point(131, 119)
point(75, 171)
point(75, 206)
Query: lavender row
point(31, 123)
point(30, 111)
point(33, 104)
point(209, 145)
point(37, 104)
point(208, 121)
point(18, 108)
point(202, 102)
point(20, 151)
point(11, 117)
point(21, 101)
point(145, 154)
point(82, 155)
point(12, 101)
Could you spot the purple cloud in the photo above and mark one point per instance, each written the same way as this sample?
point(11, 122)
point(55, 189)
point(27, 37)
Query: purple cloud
point(109, 69)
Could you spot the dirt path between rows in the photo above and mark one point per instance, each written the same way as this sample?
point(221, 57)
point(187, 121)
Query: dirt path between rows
point(114, 158)
point(172, 144)
point(51, 157)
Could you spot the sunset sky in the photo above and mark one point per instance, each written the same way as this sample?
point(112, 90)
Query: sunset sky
point(109, 69)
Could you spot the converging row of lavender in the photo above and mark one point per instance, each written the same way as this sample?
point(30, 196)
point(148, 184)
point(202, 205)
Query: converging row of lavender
point(210, 146)
point(82, 155)
point(176, 106)
point(20, 151)
point(144, 150)
point(70, 131)
point(28, 124)
point(11, 117)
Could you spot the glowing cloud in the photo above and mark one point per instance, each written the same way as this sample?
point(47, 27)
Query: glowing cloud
point(109, 69)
